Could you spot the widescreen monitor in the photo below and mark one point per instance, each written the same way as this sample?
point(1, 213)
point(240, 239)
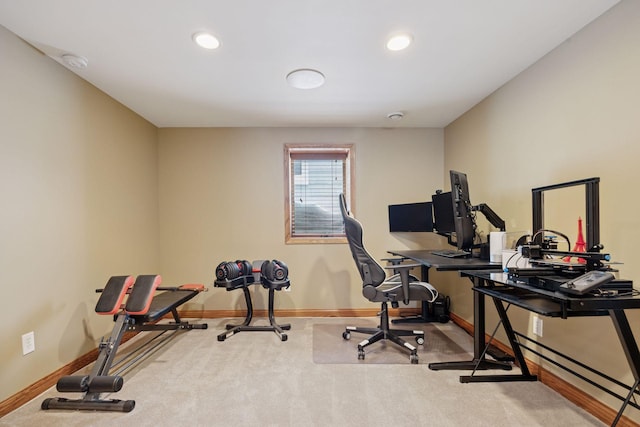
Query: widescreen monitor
point(411, 217)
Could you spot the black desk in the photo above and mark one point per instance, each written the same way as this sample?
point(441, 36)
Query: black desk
point(501, 289)
point(428, 260)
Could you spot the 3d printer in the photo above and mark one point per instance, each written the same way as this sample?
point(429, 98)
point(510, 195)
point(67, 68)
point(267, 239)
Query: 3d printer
point(549, 270)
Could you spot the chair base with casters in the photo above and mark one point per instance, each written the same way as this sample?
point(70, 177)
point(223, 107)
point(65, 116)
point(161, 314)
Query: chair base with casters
point(383, 332)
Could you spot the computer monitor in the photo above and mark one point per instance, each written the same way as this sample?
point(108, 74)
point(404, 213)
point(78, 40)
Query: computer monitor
point(443, 222)
point(411, 217)
point(464, 222)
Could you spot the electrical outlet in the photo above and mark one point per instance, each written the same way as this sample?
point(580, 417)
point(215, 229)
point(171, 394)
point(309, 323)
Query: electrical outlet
point(28, 343)
point(537, 326)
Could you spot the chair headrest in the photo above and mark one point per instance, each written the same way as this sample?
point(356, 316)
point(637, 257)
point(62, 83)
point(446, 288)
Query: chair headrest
point(343, 205)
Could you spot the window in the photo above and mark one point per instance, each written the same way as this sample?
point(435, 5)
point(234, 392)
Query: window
point(314, 177)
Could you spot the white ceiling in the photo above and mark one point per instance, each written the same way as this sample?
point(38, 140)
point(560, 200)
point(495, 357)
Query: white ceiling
point(141, 53)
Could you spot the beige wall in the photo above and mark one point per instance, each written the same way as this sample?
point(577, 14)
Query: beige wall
point(573, 115)
point(78, 181)
point(222, 198)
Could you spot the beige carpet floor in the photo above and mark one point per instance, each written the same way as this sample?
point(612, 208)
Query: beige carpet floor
point(254, 379)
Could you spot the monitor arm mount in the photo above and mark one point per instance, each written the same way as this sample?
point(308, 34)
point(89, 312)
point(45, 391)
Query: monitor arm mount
point(491, 216)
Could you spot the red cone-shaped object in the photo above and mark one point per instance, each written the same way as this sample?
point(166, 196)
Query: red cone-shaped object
point(580, 246)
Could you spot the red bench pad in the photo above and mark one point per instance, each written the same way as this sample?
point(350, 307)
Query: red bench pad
point(112, 295)
point(141, 295)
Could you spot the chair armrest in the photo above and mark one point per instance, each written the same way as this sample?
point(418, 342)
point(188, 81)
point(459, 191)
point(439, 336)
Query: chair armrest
point(403, 271)
point(395, 262)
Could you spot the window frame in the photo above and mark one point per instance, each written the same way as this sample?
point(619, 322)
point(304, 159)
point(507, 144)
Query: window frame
point(321, 150)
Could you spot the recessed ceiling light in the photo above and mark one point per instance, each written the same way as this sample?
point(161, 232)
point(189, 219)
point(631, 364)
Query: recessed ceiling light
point(305, 78)
point(206, 40)
point(75, 61)
point(399, 42)
point(396, 115)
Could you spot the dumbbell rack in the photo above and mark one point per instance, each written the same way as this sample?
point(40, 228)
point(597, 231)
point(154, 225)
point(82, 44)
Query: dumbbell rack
point(243, 282)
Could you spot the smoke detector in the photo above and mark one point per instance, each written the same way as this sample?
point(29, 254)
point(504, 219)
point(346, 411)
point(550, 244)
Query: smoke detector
point(396, 115)
point(75, 61)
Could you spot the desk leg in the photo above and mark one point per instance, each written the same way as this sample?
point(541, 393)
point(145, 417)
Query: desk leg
point(630, 347)
point(424, 316)
point(525, 375)
point(478, 362)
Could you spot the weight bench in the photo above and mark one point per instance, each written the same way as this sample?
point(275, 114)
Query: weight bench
point(243, 282)
point(144, 307)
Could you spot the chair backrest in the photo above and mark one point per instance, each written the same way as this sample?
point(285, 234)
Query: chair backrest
point(371, 272)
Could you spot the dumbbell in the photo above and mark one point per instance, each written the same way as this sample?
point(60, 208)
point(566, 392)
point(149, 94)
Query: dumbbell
point(233, 270)
point(274, 271)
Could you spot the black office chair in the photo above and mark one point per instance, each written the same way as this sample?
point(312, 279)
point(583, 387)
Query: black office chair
point(377, 287)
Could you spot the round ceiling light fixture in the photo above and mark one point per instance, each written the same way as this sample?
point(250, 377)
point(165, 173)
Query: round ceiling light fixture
point(399, 42)
point(305, 78)
point(206, 40)
point(75, 61)
point(396, 115)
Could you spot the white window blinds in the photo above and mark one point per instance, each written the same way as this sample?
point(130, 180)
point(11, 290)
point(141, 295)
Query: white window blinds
point(317, 182)
point(317, 175)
